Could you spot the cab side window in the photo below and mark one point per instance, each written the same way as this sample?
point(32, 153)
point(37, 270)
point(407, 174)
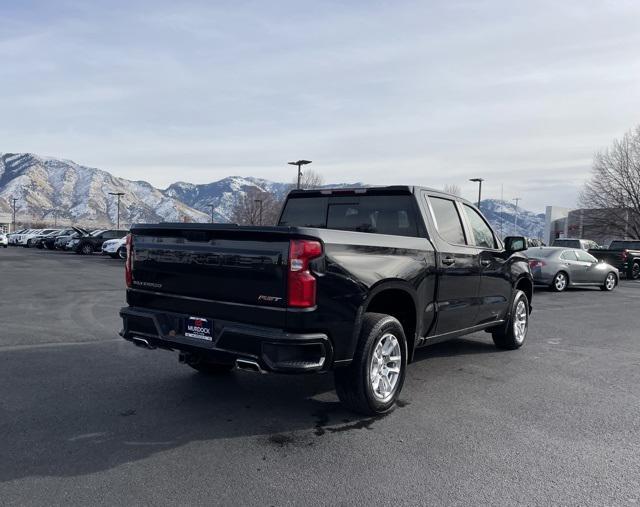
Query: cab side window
point(482, 233)
point(448, 220)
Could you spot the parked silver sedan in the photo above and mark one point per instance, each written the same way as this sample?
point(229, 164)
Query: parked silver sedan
point(559, 268)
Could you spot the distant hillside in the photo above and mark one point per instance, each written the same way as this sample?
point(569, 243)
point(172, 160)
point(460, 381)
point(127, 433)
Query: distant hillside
point(502, 216)
point(80, 194)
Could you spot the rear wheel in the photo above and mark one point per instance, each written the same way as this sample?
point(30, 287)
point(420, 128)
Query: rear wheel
point(610, 282)
point(513, 335)
point(635, 270)
point(560, 282)
point(371, 384)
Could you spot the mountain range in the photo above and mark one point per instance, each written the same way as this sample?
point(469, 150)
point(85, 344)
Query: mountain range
point(46, 187)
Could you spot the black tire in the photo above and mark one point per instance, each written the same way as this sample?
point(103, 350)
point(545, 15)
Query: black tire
point(122, 253)
point(634, 272)
point(210, 368)
point(507, 337)
point(85, 249)
point(608, 286)
point(556, 285)
point(353, 382)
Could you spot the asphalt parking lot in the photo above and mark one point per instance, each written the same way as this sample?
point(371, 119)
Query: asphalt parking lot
point(87, 418)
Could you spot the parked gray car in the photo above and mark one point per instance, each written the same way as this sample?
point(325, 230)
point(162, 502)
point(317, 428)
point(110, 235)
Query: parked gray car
point(559, 268)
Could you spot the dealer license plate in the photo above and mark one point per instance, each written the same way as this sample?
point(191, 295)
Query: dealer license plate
point(198, 327)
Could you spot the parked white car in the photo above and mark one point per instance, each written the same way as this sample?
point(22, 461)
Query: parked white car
point(26, 239)
point(115, 248)
point(4, 241)
point(14, 238)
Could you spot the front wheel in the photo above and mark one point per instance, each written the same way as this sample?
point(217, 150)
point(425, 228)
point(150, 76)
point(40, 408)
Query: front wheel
point(635, 270)
point(122, 253)
point(610, 282)
point(371, 384)
point(513, 335)
point(86, 249)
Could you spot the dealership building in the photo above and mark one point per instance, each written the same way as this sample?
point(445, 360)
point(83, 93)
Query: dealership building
point(583, 223)
point(5, 222)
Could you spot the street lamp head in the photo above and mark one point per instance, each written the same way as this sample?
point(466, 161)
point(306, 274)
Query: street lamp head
point(477, 180)
point(116, 193)
point(300, 162)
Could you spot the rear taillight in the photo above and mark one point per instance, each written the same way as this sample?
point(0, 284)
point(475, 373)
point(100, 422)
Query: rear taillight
point(302, 284)
point(625, 254)
point(128, 275)
point(535, 263)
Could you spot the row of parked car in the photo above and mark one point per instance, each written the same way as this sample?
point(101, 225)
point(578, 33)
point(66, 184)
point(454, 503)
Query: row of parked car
point(75, 239)
point(575, 262)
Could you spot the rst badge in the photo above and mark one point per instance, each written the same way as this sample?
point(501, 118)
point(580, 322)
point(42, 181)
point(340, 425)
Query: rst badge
point(197, 327)
point(268, 299)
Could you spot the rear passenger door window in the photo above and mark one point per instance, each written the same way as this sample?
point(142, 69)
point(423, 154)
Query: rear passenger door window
point(482, 233)
point(568, 255)
point(447, 220)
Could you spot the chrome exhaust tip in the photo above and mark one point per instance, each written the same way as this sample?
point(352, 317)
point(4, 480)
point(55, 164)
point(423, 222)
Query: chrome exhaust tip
point(248, 365)
point(141, 342)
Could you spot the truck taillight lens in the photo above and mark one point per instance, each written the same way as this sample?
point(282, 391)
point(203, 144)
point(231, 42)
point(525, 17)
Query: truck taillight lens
point(128, 275)
point(625, 254)
point(535, 263)
point(302, 284)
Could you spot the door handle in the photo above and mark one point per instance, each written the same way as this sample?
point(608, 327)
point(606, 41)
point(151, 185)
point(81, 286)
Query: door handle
point(448, 261)
point(485, 262)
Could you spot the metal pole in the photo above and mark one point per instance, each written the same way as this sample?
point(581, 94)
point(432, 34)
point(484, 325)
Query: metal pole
point(118, 226)
point(502, 212)
point(14, 199)
point(299, 175)
point(211, 206)
point(259, 201)
point(479, 193)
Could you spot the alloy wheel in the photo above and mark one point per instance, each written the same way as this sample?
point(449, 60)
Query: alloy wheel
point(384, 367)
point(560, 282)
point(610, 281)
point(520, 321)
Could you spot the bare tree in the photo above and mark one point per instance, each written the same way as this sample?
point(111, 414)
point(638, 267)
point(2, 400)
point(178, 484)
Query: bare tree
point(614, 187)
point(310, 179)
point(256, 207)
point(452, 189)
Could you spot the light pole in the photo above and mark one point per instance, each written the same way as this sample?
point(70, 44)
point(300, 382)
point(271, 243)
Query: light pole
point(13, 205)
point(211, 206)
point(300, 163)
point(118, 194)
point(259, 202)
point(479, 182)
point(515, 218)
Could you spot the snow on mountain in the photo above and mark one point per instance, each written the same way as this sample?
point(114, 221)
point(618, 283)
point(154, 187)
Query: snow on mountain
point(222, 194)
point(44, 186)
point(502, 217)
point(80, 194)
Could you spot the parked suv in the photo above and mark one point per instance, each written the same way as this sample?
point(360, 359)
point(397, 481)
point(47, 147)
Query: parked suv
point(90, 243)
point(351, 280)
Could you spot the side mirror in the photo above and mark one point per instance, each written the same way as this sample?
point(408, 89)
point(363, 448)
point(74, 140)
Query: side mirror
point(514, 244)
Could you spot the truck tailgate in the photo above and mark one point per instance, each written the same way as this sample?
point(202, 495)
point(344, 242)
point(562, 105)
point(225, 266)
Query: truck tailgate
point(225, 272)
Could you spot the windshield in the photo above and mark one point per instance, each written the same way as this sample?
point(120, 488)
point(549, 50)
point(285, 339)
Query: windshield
point(97, 233)
point(539, 253)
point(381, 214)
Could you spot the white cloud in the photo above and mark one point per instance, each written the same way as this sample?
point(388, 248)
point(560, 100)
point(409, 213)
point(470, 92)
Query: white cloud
point(522, 94)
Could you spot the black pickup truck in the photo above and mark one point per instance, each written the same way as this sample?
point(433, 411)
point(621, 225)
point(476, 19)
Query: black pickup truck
point(350, 280)
point(624, 254)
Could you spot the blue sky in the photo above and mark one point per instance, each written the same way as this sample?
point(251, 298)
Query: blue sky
point(385, 92)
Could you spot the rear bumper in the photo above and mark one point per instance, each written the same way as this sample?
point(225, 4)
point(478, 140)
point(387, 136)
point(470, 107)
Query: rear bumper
point(275, 350)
